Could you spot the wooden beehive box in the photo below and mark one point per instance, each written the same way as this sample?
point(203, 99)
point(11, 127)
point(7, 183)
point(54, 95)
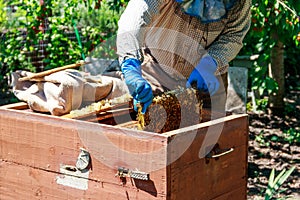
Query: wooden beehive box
point(39, 159)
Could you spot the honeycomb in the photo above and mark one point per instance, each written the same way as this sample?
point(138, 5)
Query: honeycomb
point(171, 110)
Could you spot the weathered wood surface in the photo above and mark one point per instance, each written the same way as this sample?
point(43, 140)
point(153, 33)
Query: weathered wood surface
point(29, 183)
point(15, 106)
point(47, 142)
point(210, 177)
point(236, 194)
point(43, 143)
point(38, 76)
point(19, 182)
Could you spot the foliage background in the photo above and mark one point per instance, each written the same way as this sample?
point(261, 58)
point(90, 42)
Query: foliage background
point(40, 35)
point(273, 22)
point(31, 30)
point(26, 26)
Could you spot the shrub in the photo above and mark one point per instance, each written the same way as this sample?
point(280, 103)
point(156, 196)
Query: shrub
point(38, 37)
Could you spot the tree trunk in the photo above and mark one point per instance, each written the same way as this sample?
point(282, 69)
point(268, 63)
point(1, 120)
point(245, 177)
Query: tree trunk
point(276, 70)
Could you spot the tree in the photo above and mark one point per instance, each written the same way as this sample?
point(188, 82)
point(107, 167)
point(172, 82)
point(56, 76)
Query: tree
point(274, 23)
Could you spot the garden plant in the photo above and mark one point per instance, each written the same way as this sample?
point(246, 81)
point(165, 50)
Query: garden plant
point(41, 35)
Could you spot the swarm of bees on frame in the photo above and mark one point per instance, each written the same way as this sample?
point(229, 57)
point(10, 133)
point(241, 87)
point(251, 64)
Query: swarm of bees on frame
point(172, 110)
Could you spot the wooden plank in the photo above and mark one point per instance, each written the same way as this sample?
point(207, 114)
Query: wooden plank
point(220, 119)
point(23, 182)
point(38, 76)
point(230, 131)
point(237, 194)
point(46, 142)
point(203, 178)
point(93, 113)
point(16, 106)
point(130, 124)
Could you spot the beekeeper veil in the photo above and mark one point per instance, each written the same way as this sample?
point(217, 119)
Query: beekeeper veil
point(207, 10)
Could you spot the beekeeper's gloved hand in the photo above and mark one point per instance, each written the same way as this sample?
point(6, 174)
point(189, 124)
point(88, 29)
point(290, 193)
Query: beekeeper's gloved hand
point(139, 88)
point(204, 76)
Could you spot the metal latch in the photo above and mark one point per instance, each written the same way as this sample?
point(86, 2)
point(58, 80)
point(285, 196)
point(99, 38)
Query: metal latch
point(83, 160)
point(76, 176)
point(135, 174)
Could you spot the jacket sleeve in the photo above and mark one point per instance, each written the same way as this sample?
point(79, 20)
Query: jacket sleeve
point(132, 24)
point(230, 42)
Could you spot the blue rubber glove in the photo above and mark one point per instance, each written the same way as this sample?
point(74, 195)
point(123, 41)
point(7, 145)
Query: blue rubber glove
point(139, 88)
point(204, 76)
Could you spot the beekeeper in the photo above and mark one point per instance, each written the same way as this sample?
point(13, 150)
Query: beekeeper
point(165, 43)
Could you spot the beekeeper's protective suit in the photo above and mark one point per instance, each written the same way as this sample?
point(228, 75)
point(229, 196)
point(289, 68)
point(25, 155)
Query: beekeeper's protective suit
point(165, 43)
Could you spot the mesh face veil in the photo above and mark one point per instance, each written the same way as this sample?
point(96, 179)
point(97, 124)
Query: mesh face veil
point(206, 10)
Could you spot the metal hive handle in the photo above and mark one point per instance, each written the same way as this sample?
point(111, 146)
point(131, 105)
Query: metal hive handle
point(217, 152)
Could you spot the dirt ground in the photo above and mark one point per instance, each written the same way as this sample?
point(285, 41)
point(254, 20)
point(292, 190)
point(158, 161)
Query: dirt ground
point(269, 149)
